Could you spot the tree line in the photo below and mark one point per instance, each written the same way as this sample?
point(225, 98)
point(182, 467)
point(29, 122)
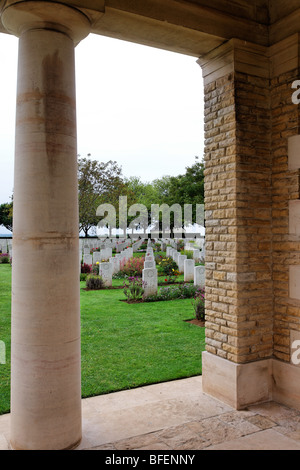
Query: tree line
point(103, 182)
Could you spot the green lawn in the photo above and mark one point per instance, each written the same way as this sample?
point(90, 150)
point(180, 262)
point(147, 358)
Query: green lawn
point(123, 345)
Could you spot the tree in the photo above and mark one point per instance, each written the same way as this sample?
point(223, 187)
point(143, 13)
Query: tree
point(182, 190)
point(98, 182)
point(143, 193)
point(6, 215)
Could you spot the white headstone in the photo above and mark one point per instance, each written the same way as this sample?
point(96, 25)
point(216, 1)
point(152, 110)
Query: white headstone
point(130, 251)
point(105, 271)
point(196, 255)
point(149, 276)
point(149, 264)
point(199, 276)
point(189, 266)
point(180, 262)
point(115, 261)
point(96, 257)
point(106, 253)
point(87, 259)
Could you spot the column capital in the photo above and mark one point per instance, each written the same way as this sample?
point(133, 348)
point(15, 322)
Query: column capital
point(22, 16)
point(235, 56)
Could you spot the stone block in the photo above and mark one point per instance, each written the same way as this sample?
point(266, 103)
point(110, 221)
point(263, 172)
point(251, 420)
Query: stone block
point(294, 152)
point(294, 217)
point(294, 282)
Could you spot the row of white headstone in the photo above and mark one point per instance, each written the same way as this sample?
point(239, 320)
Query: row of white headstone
point(117, 245)
point(108, 264)
point(107, 268)
point(105, 255)
point(187, 266)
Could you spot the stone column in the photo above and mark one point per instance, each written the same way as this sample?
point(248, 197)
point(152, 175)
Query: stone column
point(238, 228)
point(45, 357)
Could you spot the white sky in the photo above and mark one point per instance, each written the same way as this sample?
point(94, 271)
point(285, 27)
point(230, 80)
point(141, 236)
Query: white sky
point(139, 106)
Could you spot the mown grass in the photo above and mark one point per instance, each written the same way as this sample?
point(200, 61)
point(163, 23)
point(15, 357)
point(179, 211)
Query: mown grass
point(123, 345)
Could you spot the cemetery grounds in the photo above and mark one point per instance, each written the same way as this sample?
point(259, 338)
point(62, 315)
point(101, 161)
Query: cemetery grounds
point(124, 345)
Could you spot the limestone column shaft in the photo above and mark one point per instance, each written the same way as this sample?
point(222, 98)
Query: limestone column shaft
point(45, 349)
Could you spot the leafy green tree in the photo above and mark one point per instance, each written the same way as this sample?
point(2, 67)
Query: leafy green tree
point(182, 189)
point(98, 183)
point(142, 193)
point(6, 215)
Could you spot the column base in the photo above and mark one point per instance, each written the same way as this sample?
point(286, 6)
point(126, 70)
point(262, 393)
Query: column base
point(70, 447)
point(241, 385)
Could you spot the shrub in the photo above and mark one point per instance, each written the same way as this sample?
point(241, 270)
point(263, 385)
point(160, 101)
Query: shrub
point(199, 304)
point(4, 258)
point(184, 291)
point(83, 276)
point(188, 291)
point(133, 288)
point(94, 282)
point(95, 268)
point(180, 245)
point(166, 266)
point(188, 253)
point(119, 275)
point(132, 266)
point(86, 268)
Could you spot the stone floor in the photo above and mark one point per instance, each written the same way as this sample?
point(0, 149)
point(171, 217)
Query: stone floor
point(178, 416)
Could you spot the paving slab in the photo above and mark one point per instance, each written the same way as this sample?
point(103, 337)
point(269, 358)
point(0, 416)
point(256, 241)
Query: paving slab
point(177, 415)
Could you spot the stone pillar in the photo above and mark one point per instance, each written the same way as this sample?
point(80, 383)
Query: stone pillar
point(45, 349)
point(238, 227)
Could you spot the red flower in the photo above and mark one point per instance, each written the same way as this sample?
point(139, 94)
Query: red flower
point(166, 280)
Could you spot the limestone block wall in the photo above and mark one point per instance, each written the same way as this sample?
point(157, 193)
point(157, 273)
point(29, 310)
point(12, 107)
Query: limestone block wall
point(286, 194)
point(252, 191)
point(239, 293)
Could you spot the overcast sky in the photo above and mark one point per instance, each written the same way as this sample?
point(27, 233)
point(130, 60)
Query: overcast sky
point(139, 106)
